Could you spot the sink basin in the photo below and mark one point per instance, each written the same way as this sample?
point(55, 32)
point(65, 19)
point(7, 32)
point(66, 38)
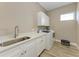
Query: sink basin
point(14, 41)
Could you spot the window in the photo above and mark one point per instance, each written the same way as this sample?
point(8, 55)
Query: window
point(68, 16)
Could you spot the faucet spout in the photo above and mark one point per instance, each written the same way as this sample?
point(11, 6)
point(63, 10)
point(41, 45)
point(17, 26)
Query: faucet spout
point(16, 31)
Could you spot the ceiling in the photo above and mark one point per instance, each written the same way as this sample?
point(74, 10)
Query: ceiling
point(52, 5)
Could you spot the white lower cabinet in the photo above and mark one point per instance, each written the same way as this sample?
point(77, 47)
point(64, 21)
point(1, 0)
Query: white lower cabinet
point(36, 47)
point(40, 45)
point(11, 52)
point(31, 49)
point(28, 50)
point(49, 41)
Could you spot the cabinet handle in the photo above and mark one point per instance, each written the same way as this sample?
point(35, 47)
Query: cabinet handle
point(41, 40)
point(24, 51)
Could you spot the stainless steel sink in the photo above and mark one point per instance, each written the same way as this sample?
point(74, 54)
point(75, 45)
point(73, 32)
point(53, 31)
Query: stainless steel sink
point(13, 41)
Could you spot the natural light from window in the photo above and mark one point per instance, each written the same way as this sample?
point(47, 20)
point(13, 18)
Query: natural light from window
point(67, 16)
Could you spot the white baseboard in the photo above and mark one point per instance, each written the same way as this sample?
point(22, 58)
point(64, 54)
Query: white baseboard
point(57, 40)
point(72, 43)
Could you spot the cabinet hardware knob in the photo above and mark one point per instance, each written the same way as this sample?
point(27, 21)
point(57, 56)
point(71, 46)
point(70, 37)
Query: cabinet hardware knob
point(41, 40)
point(24, 51)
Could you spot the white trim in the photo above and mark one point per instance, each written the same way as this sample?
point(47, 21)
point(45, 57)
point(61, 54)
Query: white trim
point(72, 43)
point(57, 40)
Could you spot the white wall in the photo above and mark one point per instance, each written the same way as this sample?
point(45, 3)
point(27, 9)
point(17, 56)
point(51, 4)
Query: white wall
point(77, 23)
point(66, 29)
point(22, 14)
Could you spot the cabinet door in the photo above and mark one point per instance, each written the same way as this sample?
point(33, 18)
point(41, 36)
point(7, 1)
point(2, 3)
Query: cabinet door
point(32, 50)
point(36, 47)
point(49, 41)
point(43, 19)
point(40, 45)
point(24, 52)
point(51, 38)
point(29, 50)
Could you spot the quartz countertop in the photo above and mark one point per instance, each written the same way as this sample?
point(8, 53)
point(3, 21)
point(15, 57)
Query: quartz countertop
point(33, 35)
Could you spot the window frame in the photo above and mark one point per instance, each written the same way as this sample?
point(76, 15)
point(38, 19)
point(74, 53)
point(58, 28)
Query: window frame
point(65, 16)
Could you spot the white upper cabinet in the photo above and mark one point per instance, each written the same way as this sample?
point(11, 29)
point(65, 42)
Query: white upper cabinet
point(43, 19)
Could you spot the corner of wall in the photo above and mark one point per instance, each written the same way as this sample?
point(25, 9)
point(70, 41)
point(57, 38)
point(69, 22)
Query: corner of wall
point(72, 43)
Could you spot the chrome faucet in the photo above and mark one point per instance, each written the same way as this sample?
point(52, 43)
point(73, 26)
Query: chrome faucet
point(16, 31)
